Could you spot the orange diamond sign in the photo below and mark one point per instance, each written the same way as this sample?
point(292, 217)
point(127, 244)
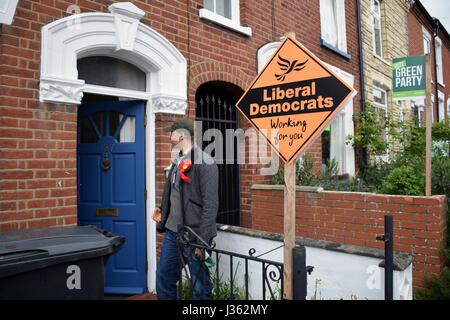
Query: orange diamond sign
point(293, 99)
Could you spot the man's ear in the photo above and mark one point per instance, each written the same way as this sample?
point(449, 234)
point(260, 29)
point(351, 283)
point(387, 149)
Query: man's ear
point(176, 139)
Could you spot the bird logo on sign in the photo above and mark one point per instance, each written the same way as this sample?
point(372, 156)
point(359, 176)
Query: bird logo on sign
point(288, 67)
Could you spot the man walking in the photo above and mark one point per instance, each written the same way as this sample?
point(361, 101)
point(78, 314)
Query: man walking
point(190, 198)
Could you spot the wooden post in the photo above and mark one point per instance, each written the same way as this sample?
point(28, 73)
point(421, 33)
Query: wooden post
point(428, 106)
point(289, 224)
point(289, 228)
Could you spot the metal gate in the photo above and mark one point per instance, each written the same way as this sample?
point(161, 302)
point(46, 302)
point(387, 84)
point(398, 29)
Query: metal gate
point(215, 107)
point(223, 286)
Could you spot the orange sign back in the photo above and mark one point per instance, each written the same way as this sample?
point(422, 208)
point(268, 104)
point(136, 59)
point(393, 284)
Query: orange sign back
point(293, 99)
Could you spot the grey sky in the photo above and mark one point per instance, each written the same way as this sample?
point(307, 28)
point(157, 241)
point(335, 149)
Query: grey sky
point(439, 9)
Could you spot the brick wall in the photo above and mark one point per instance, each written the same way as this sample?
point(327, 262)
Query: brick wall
point(37, 140)
point(37, 165)
point(356, 218)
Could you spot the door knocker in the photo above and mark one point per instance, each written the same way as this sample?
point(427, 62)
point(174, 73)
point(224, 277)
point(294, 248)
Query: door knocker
point(105, 163)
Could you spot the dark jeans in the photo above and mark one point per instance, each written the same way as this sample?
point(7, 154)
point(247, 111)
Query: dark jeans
point(167, 273)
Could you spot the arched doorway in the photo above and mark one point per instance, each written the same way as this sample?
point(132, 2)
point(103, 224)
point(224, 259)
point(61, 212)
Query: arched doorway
point(118, 34)
point(215, 108)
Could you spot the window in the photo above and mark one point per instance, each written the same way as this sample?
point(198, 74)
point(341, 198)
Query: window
point(418, 111)
point(376, 28)
point(111, 72)
point(93, 127)
point(448, 108)
point(333, 142)
point(432, 108)
point(332, 24)
point(225, 13)
point(220, 7)
point(438, 44)
point(426, 41)
point(441, 115)
point(379, 98)
point(426, 45)
point(401, 104)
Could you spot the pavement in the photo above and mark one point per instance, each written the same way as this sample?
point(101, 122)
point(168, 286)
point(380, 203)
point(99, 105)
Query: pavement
point(145, 296)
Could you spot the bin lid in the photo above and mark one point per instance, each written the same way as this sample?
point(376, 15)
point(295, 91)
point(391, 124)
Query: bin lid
point(44, 246)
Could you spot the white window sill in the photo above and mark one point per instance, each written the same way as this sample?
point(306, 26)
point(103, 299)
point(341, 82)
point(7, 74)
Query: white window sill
point(441, 83)
point(224, 22)
point(335, 49)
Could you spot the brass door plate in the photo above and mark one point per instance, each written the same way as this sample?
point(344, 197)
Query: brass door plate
point(106, 212)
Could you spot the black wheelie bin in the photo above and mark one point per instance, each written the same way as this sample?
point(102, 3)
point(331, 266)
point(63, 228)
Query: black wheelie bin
point(58, 263)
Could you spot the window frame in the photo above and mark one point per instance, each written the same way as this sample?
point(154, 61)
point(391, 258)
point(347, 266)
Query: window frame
point(378, 105)
point(448, 107)
point(439, 73)
point(341, 32)
point(441, 106)
point(431, 108)
point(377, 15)
point(426, 37)
point(116, 66)
point(234, 23)
point(420, 110)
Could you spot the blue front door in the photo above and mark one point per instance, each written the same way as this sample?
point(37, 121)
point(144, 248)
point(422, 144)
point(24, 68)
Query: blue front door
point(111, 185)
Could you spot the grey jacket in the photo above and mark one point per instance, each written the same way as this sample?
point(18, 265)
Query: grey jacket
point(200, 197)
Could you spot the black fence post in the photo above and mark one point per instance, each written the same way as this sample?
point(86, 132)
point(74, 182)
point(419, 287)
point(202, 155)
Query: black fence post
point(299, 272)
point(388, 239)
point(389, 257)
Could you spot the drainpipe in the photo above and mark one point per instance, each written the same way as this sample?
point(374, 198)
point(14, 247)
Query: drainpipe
point(361, 70)
point(436, 97)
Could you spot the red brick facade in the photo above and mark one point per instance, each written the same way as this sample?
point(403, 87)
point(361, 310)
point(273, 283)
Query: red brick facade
point(417, 21)
point(38, 140)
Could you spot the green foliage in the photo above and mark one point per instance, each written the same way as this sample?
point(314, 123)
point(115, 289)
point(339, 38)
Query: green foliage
point(367, 135)
point(373, 175)
point(330, 171)
point(441, 130)
point(440, 176)
point(221, 290)
point(405, 171)
point(304, 172)
point(304, 175)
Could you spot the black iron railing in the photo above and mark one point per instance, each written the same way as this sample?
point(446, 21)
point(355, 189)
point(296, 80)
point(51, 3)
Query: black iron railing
point(271, 279)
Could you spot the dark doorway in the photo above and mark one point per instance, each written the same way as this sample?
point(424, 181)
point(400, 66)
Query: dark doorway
point(215, 108)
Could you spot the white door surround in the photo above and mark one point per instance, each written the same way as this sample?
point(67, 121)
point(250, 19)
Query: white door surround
point(118, 34)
